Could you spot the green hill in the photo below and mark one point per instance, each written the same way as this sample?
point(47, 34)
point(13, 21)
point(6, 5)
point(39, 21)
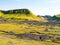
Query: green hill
point(56, 17)
point(18, 15)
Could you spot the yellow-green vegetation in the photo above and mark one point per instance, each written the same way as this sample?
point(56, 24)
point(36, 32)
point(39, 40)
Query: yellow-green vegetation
point(11, 40)
point(21, 28)
point(12, 26)
point(57, 15)
point(42, 19)
point(20, 15)
point(1, 14)
point(18, 29)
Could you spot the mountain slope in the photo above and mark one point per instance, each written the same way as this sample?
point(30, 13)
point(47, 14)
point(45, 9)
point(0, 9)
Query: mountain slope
point(56, 17)
point(18, 14)
point(42, 19)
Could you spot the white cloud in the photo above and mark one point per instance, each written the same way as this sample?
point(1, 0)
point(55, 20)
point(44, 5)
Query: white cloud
point(46, 11)
point(54, 1)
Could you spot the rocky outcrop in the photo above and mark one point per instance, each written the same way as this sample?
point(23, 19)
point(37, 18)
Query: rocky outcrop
point(17, 11)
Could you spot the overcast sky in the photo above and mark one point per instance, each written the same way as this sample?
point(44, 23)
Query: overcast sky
point(38, 7)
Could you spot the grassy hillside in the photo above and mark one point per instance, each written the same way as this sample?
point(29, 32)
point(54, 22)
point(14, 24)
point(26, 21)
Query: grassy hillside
point(17, 28)
point(9, 40)
point(56, 17)
point(18, 15)
point(1, 14)
point(42, 19)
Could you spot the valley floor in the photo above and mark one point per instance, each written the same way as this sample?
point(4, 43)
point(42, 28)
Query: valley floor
point(23, 34)
point(11, 40)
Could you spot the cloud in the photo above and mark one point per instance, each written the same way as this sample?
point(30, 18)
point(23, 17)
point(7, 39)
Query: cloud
point(54, 1)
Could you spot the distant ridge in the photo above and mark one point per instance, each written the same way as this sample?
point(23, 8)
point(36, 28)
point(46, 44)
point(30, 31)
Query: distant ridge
point(56, 17)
